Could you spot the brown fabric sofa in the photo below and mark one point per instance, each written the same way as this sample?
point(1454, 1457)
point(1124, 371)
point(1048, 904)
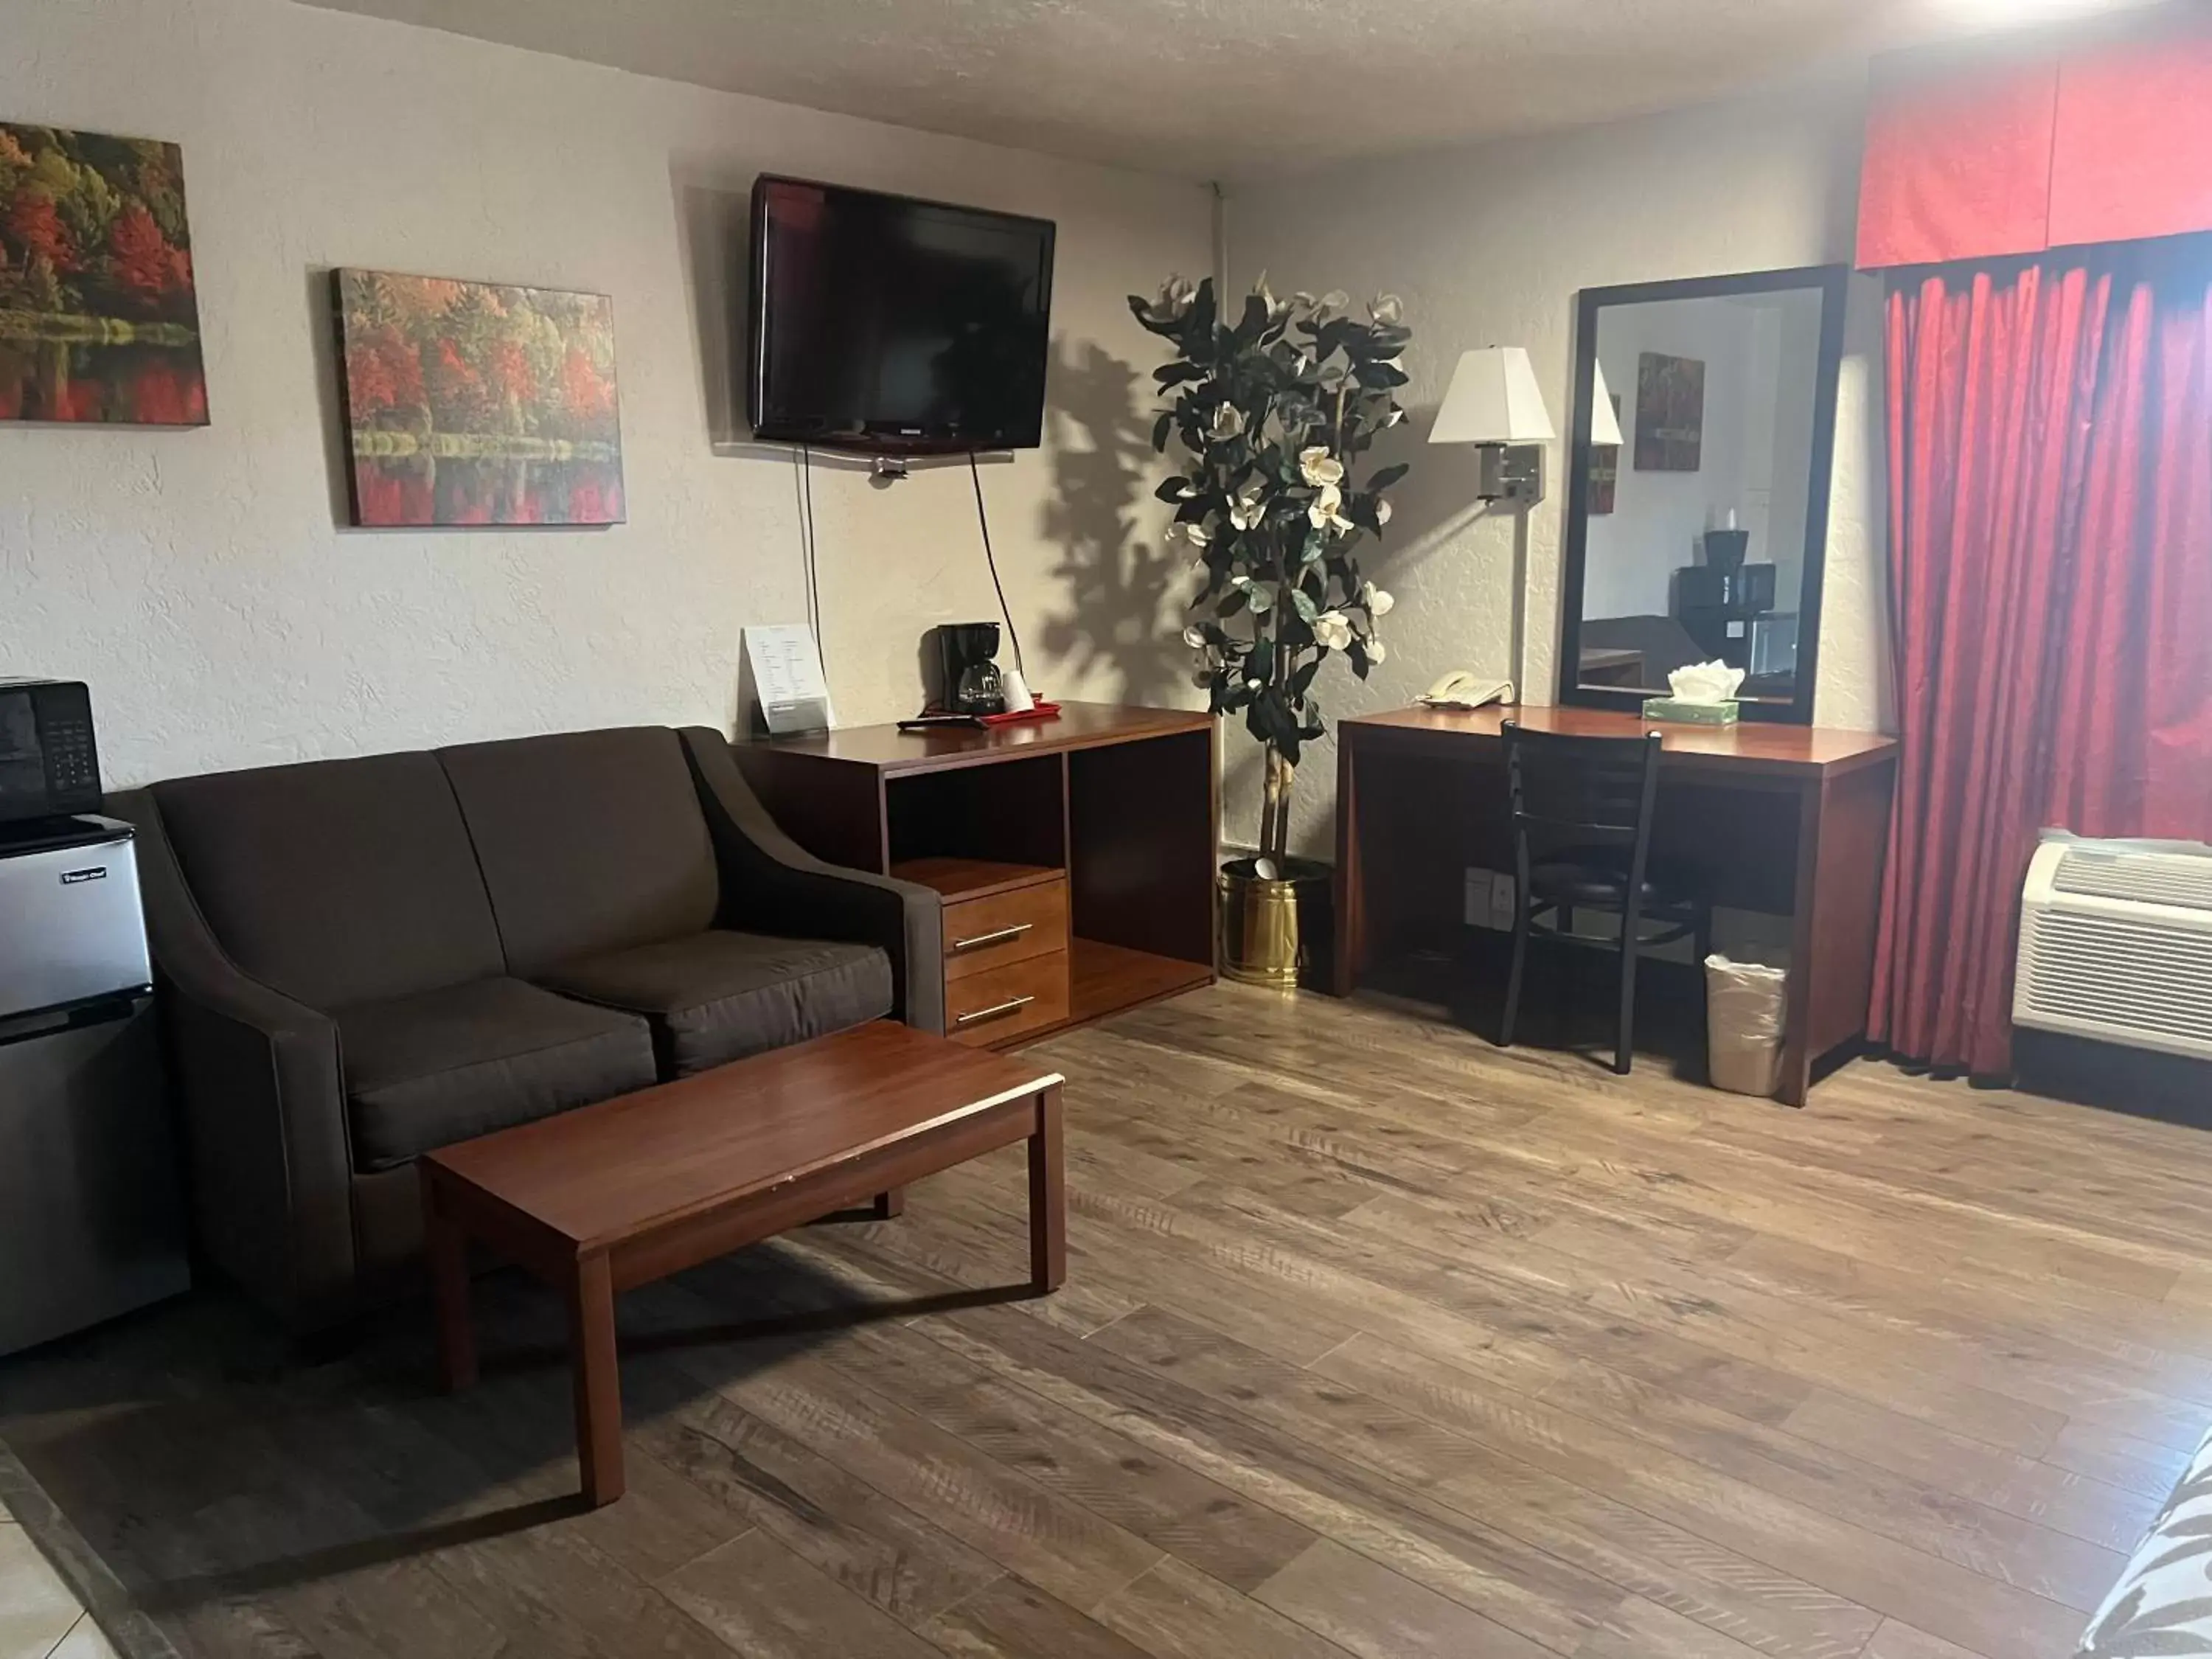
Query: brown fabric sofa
point(365, 959)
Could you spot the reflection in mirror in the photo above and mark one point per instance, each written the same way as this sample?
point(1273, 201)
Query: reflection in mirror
point(1697, 537)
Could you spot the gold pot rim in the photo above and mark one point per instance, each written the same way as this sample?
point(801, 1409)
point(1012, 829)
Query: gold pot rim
point(1300, 871)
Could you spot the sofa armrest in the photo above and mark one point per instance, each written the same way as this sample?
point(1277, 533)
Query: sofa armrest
point(257, 1077)
point(771, 884)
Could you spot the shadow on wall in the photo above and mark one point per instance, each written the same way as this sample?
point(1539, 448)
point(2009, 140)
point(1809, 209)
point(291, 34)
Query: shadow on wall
point(1124, 584)
point(713, 219)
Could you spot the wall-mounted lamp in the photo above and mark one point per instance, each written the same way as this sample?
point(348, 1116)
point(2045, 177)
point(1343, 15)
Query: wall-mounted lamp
point(1495, 403)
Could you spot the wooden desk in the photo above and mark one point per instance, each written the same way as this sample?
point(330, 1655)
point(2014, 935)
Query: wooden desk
point(1075, 856)
point(1788, 820)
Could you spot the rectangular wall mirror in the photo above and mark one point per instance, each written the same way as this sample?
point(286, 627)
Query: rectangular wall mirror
point(1699, 536)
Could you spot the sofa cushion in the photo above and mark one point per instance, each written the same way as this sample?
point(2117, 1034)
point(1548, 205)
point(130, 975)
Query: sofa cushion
point(715, 997)
point(426, 1070)
point(336, 881)
point(590, 842)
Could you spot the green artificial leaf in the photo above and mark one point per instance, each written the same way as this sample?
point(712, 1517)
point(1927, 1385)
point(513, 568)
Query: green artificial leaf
point(1302, 603)
point(1253, 323)
point(1379, 372)
point(1164, 425)
point(1175, 374)
point(1316, 544)
point(1304, 677)
point(1360, 665)
point(1170, 490)
point(1262, 597)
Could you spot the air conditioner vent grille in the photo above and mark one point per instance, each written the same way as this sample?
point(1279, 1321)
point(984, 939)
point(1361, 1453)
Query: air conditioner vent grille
point(2131, 978)
point(2142, 878)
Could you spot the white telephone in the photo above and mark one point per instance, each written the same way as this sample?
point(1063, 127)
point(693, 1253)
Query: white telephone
point(1461, 690)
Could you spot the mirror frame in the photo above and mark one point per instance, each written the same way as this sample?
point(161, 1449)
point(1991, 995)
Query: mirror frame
point(1834, 284)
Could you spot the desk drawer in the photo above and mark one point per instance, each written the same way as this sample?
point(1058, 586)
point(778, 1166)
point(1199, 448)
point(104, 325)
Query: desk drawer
point(1002, 1003)
point(986, 933)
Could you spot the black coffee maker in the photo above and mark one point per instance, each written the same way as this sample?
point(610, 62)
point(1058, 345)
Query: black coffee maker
point(968, 681)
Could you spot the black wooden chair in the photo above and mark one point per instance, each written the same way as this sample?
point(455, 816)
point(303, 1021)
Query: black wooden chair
point(1581, 841)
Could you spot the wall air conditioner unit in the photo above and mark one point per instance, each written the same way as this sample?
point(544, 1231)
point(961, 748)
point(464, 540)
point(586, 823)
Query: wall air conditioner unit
point(2116, 943)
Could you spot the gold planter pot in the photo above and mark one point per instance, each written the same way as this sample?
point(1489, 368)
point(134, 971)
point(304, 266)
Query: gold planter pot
point(1270, 926)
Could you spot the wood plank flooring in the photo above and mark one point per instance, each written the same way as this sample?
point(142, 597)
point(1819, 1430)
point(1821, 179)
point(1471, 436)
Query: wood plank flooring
point(1378, 1342)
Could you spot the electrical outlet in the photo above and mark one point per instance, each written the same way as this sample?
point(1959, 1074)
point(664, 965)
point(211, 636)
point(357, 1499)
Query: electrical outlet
point(1478, 897)
point(1502, 907)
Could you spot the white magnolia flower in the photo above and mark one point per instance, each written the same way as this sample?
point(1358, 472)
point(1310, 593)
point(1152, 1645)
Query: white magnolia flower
point(1333, 630)
point(1327, 512)
point(1378, 603)
point(1228, 422)
point(1317, 466)
point(1194, 638)
point(1197, 534)
point(1382, 512)
point(1394, 417)
point(1335, 301)
point(1177, 295)
point(1249, 510)
point(1277, 309)
point(1375, 650)
point(1387, 309)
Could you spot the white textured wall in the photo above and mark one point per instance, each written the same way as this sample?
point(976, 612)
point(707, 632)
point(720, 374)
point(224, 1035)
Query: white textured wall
point(202, 581)
point(1489, 244)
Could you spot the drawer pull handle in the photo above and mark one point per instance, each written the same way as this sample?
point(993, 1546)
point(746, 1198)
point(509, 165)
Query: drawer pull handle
point(998, 1012)
point(998, 938)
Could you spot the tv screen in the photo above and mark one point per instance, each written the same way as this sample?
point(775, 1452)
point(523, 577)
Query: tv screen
point(882, 323)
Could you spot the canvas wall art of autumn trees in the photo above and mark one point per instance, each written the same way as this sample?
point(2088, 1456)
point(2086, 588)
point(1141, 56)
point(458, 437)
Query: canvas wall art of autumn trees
point(98, 317)
point(472, 404)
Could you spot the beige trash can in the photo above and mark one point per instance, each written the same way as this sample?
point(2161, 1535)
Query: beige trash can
point(1745, 1009)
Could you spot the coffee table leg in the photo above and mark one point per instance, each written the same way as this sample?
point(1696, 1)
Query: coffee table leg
point(599, 1381)
point(1047, 1198)
point(447, 1248)
point(889, 1205)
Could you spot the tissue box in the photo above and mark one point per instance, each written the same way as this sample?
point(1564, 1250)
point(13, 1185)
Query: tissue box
point(1692, 714)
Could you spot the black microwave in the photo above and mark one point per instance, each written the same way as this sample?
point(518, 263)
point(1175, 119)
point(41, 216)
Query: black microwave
point(49, 765)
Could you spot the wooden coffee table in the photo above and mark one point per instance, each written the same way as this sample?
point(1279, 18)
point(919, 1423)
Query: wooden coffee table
point(618, 1194)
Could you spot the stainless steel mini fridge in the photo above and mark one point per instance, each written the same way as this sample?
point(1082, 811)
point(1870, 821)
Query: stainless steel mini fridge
point(91, 1201)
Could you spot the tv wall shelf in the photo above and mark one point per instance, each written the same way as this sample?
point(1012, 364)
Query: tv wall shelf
point(1075, 858)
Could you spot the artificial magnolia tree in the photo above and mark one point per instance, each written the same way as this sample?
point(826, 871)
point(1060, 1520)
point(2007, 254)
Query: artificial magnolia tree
point(1273, 411)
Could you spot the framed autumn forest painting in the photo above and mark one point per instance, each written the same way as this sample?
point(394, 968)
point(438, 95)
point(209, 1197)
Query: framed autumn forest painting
point(473, 403)
point(99, 320)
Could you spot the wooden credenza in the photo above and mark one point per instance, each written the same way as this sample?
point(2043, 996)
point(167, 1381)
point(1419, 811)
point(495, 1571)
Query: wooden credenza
point(1075, 857)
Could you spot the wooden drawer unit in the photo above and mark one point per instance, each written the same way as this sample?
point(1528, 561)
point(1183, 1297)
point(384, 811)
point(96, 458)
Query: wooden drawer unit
point(981, 934)
point(1004, 1003)
point(1073, 859)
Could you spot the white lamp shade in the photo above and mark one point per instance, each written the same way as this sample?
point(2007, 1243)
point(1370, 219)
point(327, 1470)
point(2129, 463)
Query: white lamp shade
point(1605, 425)
point(1493, 399)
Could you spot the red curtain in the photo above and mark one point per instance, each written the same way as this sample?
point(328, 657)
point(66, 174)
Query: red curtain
point(2051, 564)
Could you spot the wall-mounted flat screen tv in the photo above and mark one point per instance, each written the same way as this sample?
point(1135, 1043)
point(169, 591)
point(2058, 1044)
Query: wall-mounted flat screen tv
point(884, 324)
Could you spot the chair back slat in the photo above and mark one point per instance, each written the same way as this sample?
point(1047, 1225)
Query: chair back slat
point(1571, 791)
